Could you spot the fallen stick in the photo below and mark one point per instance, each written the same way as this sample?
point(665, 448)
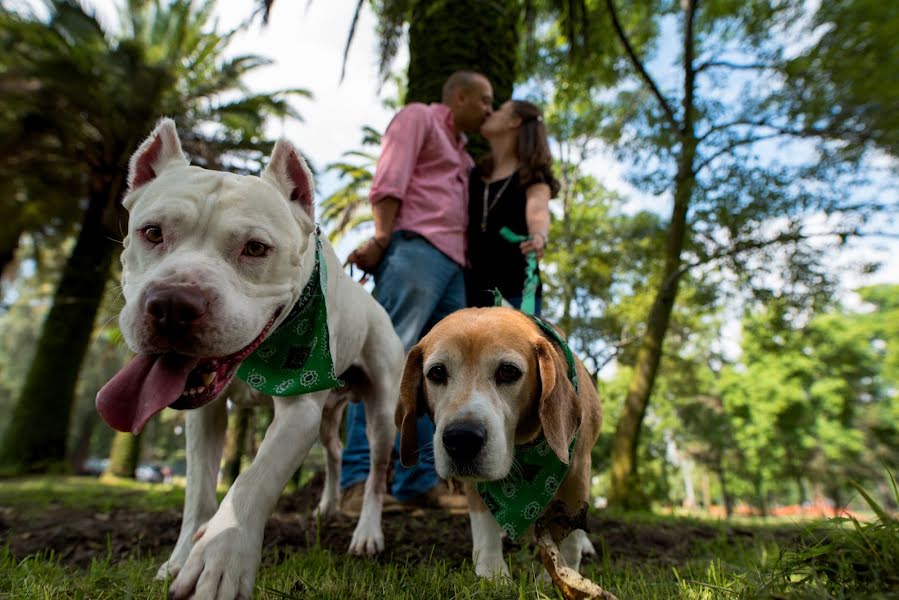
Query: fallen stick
point(572, 584)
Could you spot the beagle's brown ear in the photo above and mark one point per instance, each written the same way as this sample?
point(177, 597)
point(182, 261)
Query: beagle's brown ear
point(410, 407)
point(559, 411)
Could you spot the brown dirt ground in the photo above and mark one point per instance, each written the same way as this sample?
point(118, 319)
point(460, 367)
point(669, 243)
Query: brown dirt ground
point(78, 536)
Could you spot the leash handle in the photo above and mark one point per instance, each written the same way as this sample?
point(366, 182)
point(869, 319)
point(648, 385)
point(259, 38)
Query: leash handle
point(529, 293)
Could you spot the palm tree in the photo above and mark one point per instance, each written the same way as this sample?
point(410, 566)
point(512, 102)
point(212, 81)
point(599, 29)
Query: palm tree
point(86, 97)
point(347, 208)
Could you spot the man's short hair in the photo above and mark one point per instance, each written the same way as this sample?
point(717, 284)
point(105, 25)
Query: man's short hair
point(459, 79)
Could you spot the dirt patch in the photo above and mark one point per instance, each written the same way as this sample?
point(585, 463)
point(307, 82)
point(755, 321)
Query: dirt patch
point(78, 536)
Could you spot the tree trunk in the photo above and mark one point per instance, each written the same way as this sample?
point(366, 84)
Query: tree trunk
point(451, 35)
point(624, 492)
point(10, 233)
point(236, 443)
point(35, 439)
point(124, 455)
point(725, 494)
point(624, 489)
point(87, 423)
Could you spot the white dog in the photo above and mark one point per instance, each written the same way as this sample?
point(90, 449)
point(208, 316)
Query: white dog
point(213, 265)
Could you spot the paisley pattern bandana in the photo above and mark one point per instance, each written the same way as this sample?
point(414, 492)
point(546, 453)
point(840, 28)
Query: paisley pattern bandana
point(296, 358)
point(517, 500)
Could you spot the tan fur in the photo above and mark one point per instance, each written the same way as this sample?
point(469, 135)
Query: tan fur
point(469, 343)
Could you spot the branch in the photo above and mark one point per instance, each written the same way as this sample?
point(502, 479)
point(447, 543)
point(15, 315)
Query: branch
point(689, 73)
point(748, 245)
point(349, 38)
point(713, 64)
point(641, 70)
point(732, 146)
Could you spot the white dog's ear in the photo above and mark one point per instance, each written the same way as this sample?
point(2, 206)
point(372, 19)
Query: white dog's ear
point(560, 413)
point(410, 407)
point(161, 150)
point(288, 172)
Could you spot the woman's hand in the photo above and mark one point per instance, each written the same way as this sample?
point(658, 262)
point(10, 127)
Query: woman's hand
point(537, 243)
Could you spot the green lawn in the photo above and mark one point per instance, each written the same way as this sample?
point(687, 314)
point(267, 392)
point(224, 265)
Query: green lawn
point(641, 556)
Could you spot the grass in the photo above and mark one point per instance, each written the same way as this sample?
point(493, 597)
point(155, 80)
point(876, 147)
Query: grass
point(830, 560)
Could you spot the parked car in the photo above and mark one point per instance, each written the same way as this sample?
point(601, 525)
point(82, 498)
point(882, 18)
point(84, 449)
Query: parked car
point(94, 466)
point(149, 473)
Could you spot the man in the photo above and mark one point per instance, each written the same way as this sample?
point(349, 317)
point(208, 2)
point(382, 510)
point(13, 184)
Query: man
point(419, 200)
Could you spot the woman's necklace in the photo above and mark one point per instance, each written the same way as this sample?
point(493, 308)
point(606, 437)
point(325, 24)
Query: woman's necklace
point(488, 208)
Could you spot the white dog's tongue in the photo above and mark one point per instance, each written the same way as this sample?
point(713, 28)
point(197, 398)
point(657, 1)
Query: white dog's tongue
point(149, 383)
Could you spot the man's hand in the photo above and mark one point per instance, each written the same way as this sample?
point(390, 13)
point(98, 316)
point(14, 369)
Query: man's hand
point(369, 255)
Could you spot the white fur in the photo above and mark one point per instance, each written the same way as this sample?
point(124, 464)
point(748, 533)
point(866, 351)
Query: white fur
point(487, 546)
point(206, 218)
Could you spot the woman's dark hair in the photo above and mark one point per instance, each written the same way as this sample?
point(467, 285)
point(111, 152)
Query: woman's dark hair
point(533, 149)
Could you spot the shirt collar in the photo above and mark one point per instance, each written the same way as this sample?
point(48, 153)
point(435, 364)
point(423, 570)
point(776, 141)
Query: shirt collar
point(445, 115)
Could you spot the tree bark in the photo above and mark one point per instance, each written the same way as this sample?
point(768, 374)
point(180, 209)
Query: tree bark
point(236, 443)
point(124, 455)
point(87, 423)
point(451, 35)
point(35, 440)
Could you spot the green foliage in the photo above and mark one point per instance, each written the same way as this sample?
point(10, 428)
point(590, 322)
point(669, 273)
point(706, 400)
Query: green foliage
point(347, 208)
point(82, 100)
point(845, 83)
point(839, 561)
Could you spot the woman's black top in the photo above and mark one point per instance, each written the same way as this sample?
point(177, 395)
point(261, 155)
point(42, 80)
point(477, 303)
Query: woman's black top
point(494, 262)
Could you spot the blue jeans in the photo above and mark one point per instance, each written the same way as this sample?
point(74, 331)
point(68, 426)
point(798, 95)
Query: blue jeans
point(417, 285)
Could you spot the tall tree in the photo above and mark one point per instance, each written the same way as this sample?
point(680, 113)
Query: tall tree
point(742, 175)
point(96, 94)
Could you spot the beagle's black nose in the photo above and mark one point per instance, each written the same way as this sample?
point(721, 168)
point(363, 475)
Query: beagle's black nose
point(464, 440)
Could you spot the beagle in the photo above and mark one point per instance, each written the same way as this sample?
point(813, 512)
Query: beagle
point(499, 387)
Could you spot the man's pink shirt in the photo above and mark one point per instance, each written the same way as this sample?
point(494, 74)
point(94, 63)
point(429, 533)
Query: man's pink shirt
point(424, 164)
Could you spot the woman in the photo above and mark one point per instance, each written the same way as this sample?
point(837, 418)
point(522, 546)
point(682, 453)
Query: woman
point(510, 188)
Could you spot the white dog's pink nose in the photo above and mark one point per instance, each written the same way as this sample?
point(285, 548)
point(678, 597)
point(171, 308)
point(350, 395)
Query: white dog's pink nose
point(173, 307)
point(463, 441)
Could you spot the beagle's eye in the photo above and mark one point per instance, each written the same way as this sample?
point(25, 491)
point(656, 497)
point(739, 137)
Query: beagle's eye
point(507, 373)
point(437, 374)
point(153, 234)
point(255, 249)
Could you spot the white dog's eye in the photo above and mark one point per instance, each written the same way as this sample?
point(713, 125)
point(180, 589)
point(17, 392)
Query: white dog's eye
point(255, 249)
point(153, 234)
point(437, 374)
point(507, 373)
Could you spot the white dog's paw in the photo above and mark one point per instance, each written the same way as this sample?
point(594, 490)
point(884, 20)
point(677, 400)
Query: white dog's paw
point(327, 508)
point(222, 566)
point(492, 568)
point(587, 548)
point(170, 568)
point(167, 570)
point(368, 539)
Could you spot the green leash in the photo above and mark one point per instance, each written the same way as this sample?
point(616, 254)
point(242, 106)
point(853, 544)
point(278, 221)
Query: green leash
point(296, 358)
point(517, 500)
point(529, 292)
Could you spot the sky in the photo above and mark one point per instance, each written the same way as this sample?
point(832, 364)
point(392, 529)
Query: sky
point(306, 38)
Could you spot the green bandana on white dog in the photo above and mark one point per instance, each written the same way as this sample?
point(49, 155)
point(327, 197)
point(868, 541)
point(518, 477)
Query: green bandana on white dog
point(296, 358)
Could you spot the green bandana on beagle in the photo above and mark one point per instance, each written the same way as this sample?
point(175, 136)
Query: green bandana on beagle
point(517, 500)
point(296, 358)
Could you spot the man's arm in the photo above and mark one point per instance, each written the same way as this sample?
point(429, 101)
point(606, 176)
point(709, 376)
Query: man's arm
point(400, 148)
point(369, 254)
